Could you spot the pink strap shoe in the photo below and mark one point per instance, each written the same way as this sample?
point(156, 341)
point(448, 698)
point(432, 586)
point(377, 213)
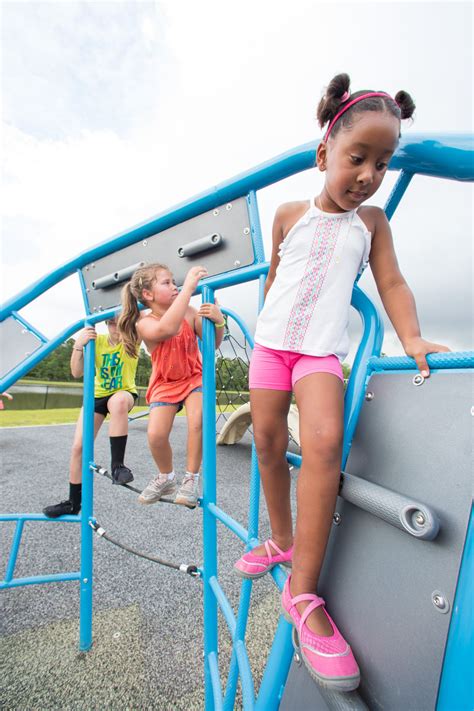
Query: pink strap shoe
point(254, 566)
point(329, 660)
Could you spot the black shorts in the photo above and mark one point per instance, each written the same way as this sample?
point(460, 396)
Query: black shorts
point(100, 403)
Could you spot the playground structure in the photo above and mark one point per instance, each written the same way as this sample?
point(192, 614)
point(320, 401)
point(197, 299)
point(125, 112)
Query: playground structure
point(415, 571)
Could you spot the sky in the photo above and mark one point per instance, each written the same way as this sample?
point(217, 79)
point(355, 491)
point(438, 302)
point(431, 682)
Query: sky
point(115, 111)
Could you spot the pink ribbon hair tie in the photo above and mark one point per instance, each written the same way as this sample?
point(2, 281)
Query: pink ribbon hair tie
point(351, 103)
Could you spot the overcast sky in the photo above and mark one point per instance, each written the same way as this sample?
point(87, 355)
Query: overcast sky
point(115, 111)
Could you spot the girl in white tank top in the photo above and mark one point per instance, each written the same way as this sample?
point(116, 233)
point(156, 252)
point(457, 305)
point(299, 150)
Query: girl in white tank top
point(318, 251)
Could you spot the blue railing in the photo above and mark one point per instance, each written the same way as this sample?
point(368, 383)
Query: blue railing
point(438, 156)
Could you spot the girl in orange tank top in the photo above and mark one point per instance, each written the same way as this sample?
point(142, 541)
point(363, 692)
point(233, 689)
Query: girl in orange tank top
point(170, 332)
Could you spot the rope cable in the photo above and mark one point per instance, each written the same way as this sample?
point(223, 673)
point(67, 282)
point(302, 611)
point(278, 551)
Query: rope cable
point(181, 567)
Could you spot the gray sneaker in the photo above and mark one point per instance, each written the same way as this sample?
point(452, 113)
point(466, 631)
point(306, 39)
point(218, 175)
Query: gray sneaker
point(158, 487)
point(188, 492)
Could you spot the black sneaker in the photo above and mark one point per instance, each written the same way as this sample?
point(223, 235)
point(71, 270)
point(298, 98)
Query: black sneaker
point(121, 475)
point(61, 509)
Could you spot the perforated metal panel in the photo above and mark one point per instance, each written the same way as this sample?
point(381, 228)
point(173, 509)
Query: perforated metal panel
point(17, 343)
point(379, 580)
point(231, 251)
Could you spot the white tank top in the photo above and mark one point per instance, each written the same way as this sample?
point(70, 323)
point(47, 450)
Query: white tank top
point(307, 307)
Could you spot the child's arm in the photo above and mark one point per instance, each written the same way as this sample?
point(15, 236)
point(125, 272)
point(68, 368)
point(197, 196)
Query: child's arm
point(396, 295)
point(77, 355)
point(213, 313)
point(153, 330)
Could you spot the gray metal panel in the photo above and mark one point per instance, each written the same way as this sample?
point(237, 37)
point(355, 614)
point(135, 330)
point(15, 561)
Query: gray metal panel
point(235, 250)
point(378, 580)
point(17, 343)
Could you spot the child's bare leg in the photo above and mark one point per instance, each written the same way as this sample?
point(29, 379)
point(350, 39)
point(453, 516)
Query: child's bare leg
point(119, 406)
point(270, 428)
point(75, 462)
point(193, 405)
point(320, 400)
point(159, 428)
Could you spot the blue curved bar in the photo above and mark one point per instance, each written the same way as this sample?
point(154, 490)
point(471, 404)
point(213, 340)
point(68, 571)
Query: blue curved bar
point(460, 359)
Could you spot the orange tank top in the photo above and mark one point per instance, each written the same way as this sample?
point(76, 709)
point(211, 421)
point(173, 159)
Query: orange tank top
point(176, 367)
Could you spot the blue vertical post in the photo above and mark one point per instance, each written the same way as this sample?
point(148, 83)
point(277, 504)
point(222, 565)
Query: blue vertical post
point(209, 496)
point(85, 625)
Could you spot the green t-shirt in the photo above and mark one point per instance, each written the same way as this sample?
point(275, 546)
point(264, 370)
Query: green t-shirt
point(114, 369)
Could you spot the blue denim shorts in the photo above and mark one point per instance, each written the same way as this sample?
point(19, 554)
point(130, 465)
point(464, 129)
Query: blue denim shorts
point(179, 405)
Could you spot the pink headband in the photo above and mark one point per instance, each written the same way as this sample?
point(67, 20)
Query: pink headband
point(351, 103)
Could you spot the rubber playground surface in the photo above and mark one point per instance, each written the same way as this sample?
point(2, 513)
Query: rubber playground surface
point(148, 621)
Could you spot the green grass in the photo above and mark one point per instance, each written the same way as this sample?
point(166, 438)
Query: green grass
point(60, 416)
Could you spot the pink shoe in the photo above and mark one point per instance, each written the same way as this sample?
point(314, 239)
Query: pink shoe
point(254, 566)
point(329, 660)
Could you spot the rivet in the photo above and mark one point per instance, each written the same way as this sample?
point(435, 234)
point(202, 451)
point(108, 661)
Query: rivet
point(472, 410)
point(145, 242)
point(337, 518)
point(418, 379)
point(27, 354)
point(246, 230)
point(87, 269)
point(85, 580)
point(236, 263)
point(369, 396)
point(215, 212)
point(228, 206)
point(420, 519)
point(23, 331)
point(297, 658)
point(87, 291)
point(440, 601)
point(92, 266)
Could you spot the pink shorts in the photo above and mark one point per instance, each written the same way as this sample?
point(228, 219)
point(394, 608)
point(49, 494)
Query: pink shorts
point(273, 369)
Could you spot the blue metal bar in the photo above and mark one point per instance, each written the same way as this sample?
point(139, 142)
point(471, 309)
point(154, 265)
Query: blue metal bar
point(215, 680)
point(370, 345)
point(437, 361)
point(14, 550)
point(85, 625)
point(209, 496)
point(82, 284)
point(240, 323)
point(40, 579)
point(39, 517)
point(456, 685)
point(397, 193)
point(28, 326)
point(276, 669)
point(223, 604)
point(246, 681)
point(256, 227)
point(227, 521)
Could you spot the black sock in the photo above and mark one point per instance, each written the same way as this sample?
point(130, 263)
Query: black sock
point(75, 495)
point(117, 450)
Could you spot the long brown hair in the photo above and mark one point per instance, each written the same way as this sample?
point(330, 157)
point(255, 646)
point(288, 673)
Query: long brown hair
point(132, 295)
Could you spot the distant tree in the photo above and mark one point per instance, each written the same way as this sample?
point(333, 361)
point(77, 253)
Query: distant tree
point(55, 366)
point(143, 368)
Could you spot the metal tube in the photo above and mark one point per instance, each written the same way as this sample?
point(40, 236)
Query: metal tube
point(215, 680)
point(14, 550)
point(40, 579)
point(85, 625)
point(209, 497)
point(228, 521)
